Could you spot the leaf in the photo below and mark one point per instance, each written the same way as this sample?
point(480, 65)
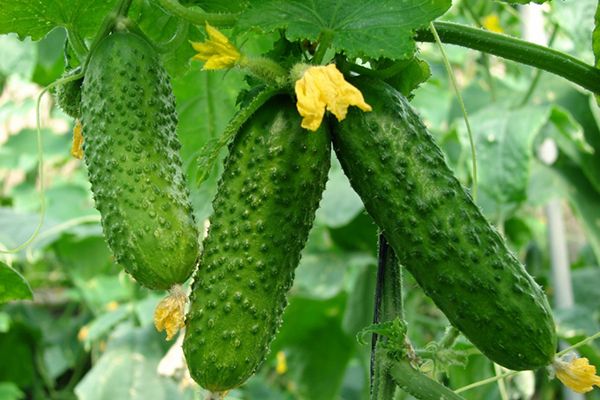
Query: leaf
point(369, 28)
point(10, 391)
point(37, 18)
point(503, 140)
point(12, 285)
point(128, 368)
point(22, 56)
point(523, 1)
point(316, 346)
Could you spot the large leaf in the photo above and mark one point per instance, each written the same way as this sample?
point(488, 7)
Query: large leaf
point(503, 140)
point(12, 285)
point(127, 369)
point(369, 28)
point(317, 347)
point(37, 18)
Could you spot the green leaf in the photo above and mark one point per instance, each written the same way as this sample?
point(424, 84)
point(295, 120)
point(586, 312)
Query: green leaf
point(36, 19)
point(596, 36)
point(316, 346)
point(369, 28)
point(128, 368)
point(10, 391)
point(503, 140)
point(12, 285)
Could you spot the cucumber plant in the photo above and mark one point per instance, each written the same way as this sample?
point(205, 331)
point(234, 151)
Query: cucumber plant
point(336, 73)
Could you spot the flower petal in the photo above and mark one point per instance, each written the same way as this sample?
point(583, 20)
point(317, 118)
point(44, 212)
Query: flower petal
point(169, 314)
point(577, 374)
point(217, 52)
point(324, 87)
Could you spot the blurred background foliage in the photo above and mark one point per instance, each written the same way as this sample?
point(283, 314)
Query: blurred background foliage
point(88, 331)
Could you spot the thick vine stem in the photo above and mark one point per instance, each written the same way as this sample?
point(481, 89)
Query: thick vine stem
point(388, 306)
point(517, 50)
point(196, 15)
point(418, 384)
point(77, 44)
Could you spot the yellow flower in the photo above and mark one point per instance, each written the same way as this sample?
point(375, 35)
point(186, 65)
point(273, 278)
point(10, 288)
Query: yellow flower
point(216, 52)
point(169, 315)
point(324, 87)
point(281, 367)
point(76, 147)
point(492, 23)
point(577, 374)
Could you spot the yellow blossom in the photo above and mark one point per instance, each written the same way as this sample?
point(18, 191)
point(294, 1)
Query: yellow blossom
point(216, 52)
point(77, 146)
point(281, 367)
point(169, 315)
point(324, 87)
point(577, 374)
point(492, 23)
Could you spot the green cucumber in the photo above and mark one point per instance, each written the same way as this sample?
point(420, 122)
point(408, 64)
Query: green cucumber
point(264, 208)
point(131, 151)
point(439, 234)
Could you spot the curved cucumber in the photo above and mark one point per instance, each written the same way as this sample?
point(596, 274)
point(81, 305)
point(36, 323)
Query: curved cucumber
point(439, 234)
point(264, 208)
point(131, 150)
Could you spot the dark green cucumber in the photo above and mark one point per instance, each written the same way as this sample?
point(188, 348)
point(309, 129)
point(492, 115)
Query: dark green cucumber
point(264, 208)
point(439, 234)
point(131, 151)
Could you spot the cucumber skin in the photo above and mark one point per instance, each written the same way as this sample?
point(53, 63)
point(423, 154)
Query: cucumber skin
point(131, 151)
point(439, 234)
point(265, 205)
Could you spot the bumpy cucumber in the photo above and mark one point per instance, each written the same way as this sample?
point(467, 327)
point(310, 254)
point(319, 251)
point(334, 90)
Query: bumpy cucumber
point(439, 234)
point(68, 95)
point(131, 151)
point(264, 208)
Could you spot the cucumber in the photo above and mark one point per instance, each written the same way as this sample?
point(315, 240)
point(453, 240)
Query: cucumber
point(131, 151)
point(265, 205)
point(439, 234)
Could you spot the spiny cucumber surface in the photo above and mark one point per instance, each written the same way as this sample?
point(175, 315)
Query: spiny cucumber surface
point(439, 234)
point(264, 208)
point(132, 154)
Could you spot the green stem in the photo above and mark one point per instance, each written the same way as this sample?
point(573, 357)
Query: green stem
point(447, 341)
point(325, 40)
point(196, 15)
point(418, 384)
point(538, 73)
point(463, 109)
point(78, 45)
point(388, 306)
point(517, 50)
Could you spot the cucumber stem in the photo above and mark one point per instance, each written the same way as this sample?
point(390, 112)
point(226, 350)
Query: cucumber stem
point(196, 15)
point(517, 50)
point(388, 306)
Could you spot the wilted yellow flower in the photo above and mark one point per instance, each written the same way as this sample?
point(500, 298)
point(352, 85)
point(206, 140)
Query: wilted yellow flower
point(281, 366)
point(216, 52)
point(577, 374)
point(169, 315)
point(492, 23)
point(77, 146)
point(83, 333)
point(324, 87)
